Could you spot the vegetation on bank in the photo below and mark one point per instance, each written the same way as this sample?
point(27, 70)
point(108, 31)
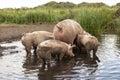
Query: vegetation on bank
point(95, 18)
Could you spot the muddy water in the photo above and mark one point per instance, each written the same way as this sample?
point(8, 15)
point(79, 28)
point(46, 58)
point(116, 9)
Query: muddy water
point(15, 66)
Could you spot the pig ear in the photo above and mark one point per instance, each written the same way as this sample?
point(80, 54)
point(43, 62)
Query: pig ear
point(23, 34)
point(69, 45)
point(60, 28)
point(73, 46)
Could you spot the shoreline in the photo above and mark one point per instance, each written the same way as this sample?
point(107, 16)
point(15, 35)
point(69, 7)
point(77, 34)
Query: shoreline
point(9, 32)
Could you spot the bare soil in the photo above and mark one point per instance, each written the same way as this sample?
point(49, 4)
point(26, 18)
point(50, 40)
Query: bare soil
point(10, 32)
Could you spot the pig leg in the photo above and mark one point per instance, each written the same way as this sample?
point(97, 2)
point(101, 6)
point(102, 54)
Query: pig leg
point(49, 58)
point(34, 47)
point(57, 56)
point(94, 55)
point(88, 53)
point(43, 63)
point(61, 56)
point(28, 50)
point(48, 62)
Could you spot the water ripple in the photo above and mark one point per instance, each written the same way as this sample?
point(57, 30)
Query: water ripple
point(15, 66)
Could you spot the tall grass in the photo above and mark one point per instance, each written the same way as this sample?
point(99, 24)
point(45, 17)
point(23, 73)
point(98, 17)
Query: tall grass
point(92, 19)
point(113, 26)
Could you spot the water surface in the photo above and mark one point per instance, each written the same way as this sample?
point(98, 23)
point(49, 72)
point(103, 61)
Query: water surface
point(15, 66)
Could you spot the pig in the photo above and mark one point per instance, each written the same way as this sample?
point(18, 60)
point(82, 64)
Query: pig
point(49, 48)
point(88, 43)
point(67, 31)
point(31, 40)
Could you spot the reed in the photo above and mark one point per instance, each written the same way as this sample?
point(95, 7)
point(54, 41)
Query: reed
point(91, 19)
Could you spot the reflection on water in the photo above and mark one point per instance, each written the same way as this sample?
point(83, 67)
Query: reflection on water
point(67, 69)
point(107, 49)
point(15, 66)
point(109, 70)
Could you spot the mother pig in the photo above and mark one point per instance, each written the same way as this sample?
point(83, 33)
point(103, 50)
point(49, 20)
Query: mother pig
point(67, 31)
point(30, 40)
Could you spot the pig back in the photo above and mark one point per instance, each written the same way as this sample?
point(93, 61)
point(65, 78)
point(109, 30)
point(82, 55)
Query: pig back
point(40, 36)
point(54, 46)
point(67, 30)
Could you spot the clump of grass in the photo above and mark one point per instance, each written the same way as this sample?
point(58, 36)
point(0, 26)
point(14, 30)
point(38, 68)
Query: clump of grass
point(93, 20)
point(113, 26)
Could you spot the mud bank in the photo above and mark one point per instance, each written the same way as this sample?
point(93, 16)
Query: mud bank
point(11, 32)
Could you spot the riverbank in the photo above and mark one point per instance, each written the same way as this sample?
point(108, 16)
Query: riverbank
point(14, 31)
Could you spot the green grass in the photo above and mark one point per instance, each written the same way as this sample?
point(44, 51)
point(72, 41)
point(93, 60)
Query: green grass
point(91, 19)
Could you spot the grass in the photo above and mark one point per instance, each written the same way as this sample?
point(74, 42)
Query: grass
point(91, 19)
point(94, 19)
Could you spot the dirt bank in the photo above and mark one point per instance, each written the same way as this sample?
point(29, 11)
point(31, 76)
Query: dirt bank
point(10, 32)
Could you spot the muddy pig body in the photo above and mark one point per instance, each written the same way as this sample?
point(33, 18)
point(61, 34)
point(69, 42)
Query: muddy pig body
point(88, 42)
point(67, 30)
point(50, 48)
point(32, 39)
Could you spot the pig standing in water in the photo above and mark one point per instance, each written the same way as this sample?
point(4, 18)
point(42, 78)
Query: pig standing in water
point(50, 48)
point(88, 42)
point(67, 31)
point(30, 40)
